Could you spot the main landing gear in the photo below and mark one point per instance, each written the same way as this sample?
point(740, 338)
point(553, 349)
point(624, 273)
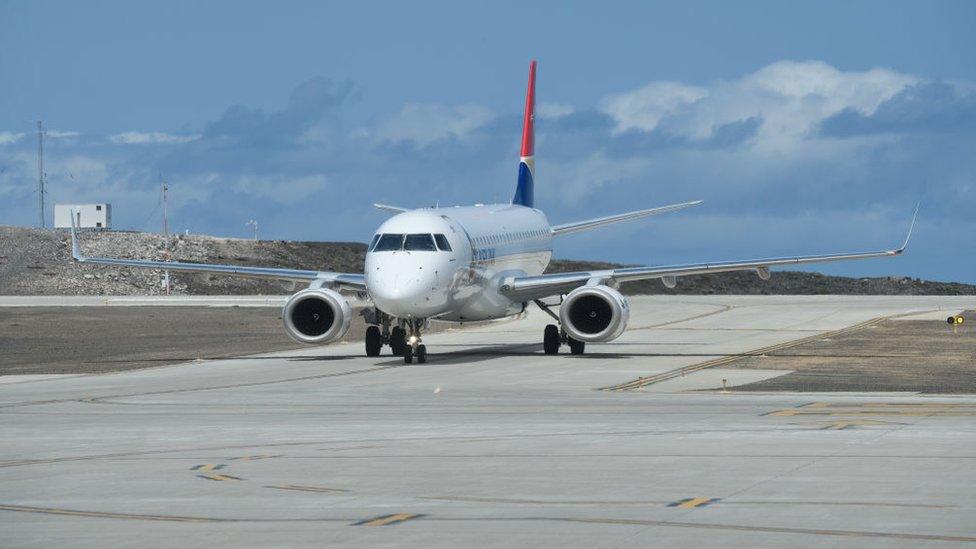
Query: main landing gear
point(553, 337)
point(380, 333)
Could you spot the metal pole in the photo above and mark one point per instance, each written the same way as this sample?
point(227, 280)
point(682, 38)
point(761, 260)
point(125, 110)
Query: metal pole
point(40, 174)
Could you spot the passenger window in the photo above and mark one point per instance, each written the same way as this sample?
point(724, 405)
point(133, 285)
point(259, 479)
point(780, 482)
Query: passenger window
point(442, 243)
point(389, 243)
point(419, 243)
point(372, 244)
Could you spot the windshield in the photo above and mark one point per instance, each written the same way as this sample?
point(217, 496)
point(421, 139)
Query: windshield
point(373, 243)
point(442, 243)
point(389, 243)
point(419, 243)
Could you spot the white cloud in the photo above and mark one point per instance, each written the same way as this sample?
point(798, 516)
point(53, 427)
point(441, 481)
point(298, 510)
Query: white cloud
point(7, 138)
point(60, 134)
point(571, 182)
point(139, 138)
point(643, 108)
point(790, 97)
point(281, 189)
point(425, 123)
point(553, 110)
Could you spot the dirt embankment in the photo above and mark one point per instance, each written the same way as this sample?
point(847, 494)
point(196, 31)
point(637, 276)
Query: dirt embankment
point(38, 262)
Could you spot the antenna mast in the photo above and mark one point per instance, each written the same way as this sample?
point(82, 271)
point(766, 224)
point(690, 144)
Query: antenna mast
point(165, 236)
point(40, 174)
point(165, 213)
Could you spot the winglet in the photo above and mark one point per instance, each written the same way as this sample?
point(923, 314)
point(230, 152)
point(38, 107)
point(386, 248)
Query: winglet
point(75, 248)
point(910, 229)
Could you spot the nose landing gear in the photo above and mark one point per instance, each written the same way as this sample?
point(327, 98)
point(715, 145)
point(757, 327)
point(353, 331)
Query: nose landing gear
point(414, 347)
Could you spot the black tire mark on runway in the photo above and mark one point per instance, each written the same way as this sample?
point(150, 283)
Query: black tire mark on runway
point(429, 518)
point(514, 501)
point(388, 440)
point(724, 308)
point(209, 388)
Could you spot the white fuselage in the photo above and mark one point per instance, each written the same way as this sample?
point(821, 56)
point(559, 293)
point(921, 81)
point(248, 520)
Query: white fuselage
point(487, 243)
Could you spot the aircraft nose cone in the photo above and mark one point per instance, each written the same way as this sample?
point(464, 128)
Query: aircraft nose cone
point(404, 293)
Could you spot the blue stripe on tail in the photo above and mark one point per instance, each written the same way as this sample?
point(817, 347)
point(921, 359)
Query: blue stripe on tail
point(525, 191)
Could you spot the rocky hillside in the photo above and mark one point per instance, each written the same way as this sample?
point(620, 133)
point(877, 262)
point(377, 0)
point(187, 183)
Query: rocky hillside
point(38, 262)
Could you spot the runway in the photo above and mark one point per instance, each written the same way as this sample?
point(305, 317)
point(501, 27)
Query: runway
point(492, 443)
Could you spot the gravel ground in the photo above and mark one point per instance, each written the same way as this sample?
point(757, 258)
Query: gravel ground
point(87, 340)
point(925, 356)
point(84, 340)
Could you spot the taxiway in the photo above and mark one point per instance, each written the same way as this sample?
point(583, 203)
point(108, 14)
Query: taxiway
point(492, 443)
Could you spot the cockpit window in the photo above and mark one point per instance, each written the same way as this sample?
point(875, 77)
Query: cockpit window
point(419, 243)
point(372, 244)
point(389, 243)
point(442, 243)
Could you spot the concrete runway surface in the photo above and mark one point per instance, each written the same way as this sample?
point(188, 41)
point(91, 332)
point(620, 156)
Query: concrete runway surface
point(492, 443)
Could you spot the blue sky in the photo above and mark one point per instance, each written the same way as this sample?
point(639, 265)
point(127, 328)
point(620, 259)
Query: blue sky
point(806, 127)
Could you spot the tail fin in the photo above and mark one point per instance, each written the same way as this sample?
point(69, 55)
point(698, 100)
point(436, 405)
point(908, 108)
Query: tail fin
point(526, 175)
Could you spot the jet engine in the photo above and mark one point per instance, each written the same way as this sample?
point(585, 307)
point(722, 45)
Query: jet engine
point(594, 313)
point(316, 315)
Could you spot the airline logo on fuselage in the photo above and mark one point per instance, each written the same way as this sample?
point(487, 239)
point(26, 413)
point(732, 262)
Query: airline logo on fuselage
point(483, 255)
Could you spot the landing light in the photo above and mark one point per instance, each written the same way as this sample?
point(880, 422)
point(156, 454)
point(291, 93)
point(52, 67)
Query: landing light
point(956, 319)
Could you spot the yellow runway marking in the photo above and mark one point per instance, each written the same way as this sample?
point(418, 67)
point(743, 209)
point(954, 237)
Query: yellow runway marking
point(897, 409)
point(206, 467)
point(846, 423)
point(692, 503)
point(219, 477)
point(386, 520)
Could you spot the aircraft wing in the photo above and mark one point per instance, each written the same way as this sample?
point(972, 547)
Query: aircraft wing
point(527, 288)
point(587, 224)
point(355, 282)
point(387, 207)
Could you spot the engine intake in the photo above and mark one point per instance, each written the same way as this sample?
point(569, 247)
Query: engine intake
point(594, 313)
point(316, 315)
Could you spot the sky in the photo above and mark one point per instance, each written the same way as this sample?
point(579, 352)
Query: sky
point(806, 127)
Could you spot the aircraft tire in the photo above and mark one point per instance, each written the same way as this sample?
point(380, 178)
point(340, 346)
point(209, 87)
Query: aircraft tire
point(550, 340)
point(576, 347)
point(398, 340)
point(374, 341)
point(421, 354)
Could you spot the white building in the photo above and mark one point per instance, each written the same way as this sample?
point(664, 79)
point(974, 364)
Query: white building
point(92, 216)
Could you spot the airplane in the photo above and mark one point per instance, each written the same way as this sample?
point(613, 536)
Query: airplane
point(473, 263)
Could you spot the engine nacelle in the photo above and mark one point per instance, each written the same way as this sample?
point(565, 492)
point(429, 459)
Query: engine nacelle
point(594, 313)
point(316, 315)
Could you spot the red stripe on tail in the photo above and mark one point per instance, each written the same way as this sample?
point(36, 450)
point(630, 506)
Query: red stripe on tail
point(528, 123)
